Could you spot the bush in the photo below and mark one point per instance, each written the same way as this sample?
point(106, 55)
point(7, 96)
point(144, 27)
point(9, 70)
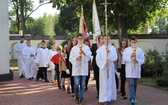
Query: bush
point(153, 65)
point(162, 81)
point(51, 40)
point(165, 59)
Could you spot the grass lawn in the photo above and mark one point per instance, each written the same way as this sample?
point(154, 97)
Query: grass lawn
point(151, 82)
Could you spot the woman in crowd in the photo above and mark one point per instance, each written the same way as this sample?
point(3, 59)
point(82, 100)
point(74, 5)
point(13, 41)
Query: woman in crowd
point(71, 43)
point(121, 66)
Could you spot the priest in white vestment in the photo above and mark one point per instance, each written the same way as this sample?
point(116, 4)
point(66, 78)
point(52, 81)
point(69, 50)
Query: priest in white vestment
point(29, 57)
point(19, 49)
point(79, 57)
point(106, 55)
point(134, 58)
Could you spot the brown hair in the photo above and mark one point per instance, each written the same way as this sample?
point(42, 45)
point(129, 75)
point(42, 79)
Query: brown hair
point(58, 49)
point(86, 40)
point(52, 43)
point(120, 47)
point(99, 37)
point(28, 39)
point(22, 37)
point(79, 34)
point(70, 45)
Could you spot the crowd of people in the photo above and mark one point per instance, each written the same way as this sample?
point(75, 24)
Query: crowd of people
point(72, 63)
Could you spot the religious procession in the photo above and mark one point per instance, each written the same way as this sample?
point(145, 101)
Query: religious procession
point(81, 70)
point(72, 63)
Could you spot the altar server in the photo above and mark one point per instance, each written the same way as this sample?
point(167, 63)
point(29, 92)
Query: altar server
point(19, 49)
point(106, 55)
point(41, 62)
point(29, 57)
point(134, 58)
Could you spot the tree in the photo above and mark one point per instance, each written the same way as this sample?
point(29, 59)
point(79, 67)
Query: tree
point(41, 26)
point(21, 10)
point(124, 15)
point(57, 27)
point(68, 19)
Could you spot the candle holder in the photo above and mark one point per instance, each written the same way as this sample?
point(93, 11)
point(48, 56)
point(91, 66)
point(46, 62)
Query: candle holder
point(134, 58)
point(80, 53)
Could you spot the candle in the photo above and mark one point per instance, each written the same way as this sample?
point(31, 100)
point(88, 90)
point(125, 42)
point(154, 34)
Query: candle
point(134, 51)
point(134, 58)
point(80, 50)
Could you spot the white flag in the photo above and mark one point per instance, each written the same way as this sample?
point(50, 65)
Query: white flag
point(95, 20)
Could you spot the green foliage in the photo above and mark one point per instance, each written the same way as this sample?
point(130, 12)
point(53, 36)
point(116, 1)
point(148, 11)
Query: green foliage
point(64, 43)
point(21, 10)
point(48, 21)
point(162, 81)
point(51, 40)
point(165, 60)
point(153, 65)
point(57, 27)
point(68, 19)
point(44, 25)
point(132, 14)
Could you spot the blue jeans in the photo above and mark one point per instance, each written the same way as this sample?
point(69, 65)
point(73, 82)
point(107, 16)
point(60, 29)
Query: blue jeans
point(132, 83)
point(79, 81)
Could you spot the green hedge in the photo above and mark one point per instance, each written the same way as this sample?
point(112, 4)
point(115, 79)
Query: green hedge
point(162, 81)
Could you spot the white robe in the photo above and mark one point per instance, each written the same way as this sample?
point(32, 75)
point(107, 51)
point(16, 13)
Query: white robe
point(41, 58)
point(19, 48)
point(80, 68)
point(132, 72)
point(107, 86)
point(51, 53)
point(30, 65)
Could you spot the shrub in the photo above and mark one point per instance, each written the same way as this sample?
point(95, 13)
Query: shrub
point(153, 65)
point(165, 59)
point(51, 40)
point(162, 81)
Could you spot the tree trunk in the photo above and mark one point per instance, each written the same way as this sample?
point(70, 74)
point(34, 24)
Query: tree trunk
point(23, 19)
point(122, 28)
point(17, 18)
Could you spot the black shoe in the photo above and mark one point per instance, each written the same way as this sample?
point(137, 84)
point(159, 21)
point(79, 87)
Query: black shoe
point(30, 78)
point(106, 103)
point(47, 80)
point(22, 76)
point(86, 89)
point(63, 87)
point(76, 98)
point(37, 79)
point(68, 90)
point(80, 101)
point(124, 97)
point(73, 95)
point(59, 87)
point(97, 96)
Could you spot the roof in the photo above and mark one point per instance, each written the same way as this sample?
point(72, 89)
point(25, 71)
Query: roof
point(66, 37)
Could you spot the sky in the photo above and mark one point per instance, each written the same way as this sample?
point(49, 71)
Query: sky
point(47, 8)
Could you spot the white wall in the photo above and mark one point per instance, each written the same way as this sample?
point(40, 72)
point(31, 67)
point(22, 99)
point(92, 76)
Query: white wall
point(35, 44)
point(4, 37)
point(145, 44)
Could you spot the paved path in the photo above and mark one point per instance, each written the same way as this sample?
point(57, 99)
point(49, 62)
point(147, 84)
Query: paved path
point(29, 92)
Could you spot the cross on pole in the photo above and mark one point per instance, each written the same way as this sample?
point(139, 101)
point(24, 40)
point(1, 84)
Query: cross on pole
point(105, 5)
